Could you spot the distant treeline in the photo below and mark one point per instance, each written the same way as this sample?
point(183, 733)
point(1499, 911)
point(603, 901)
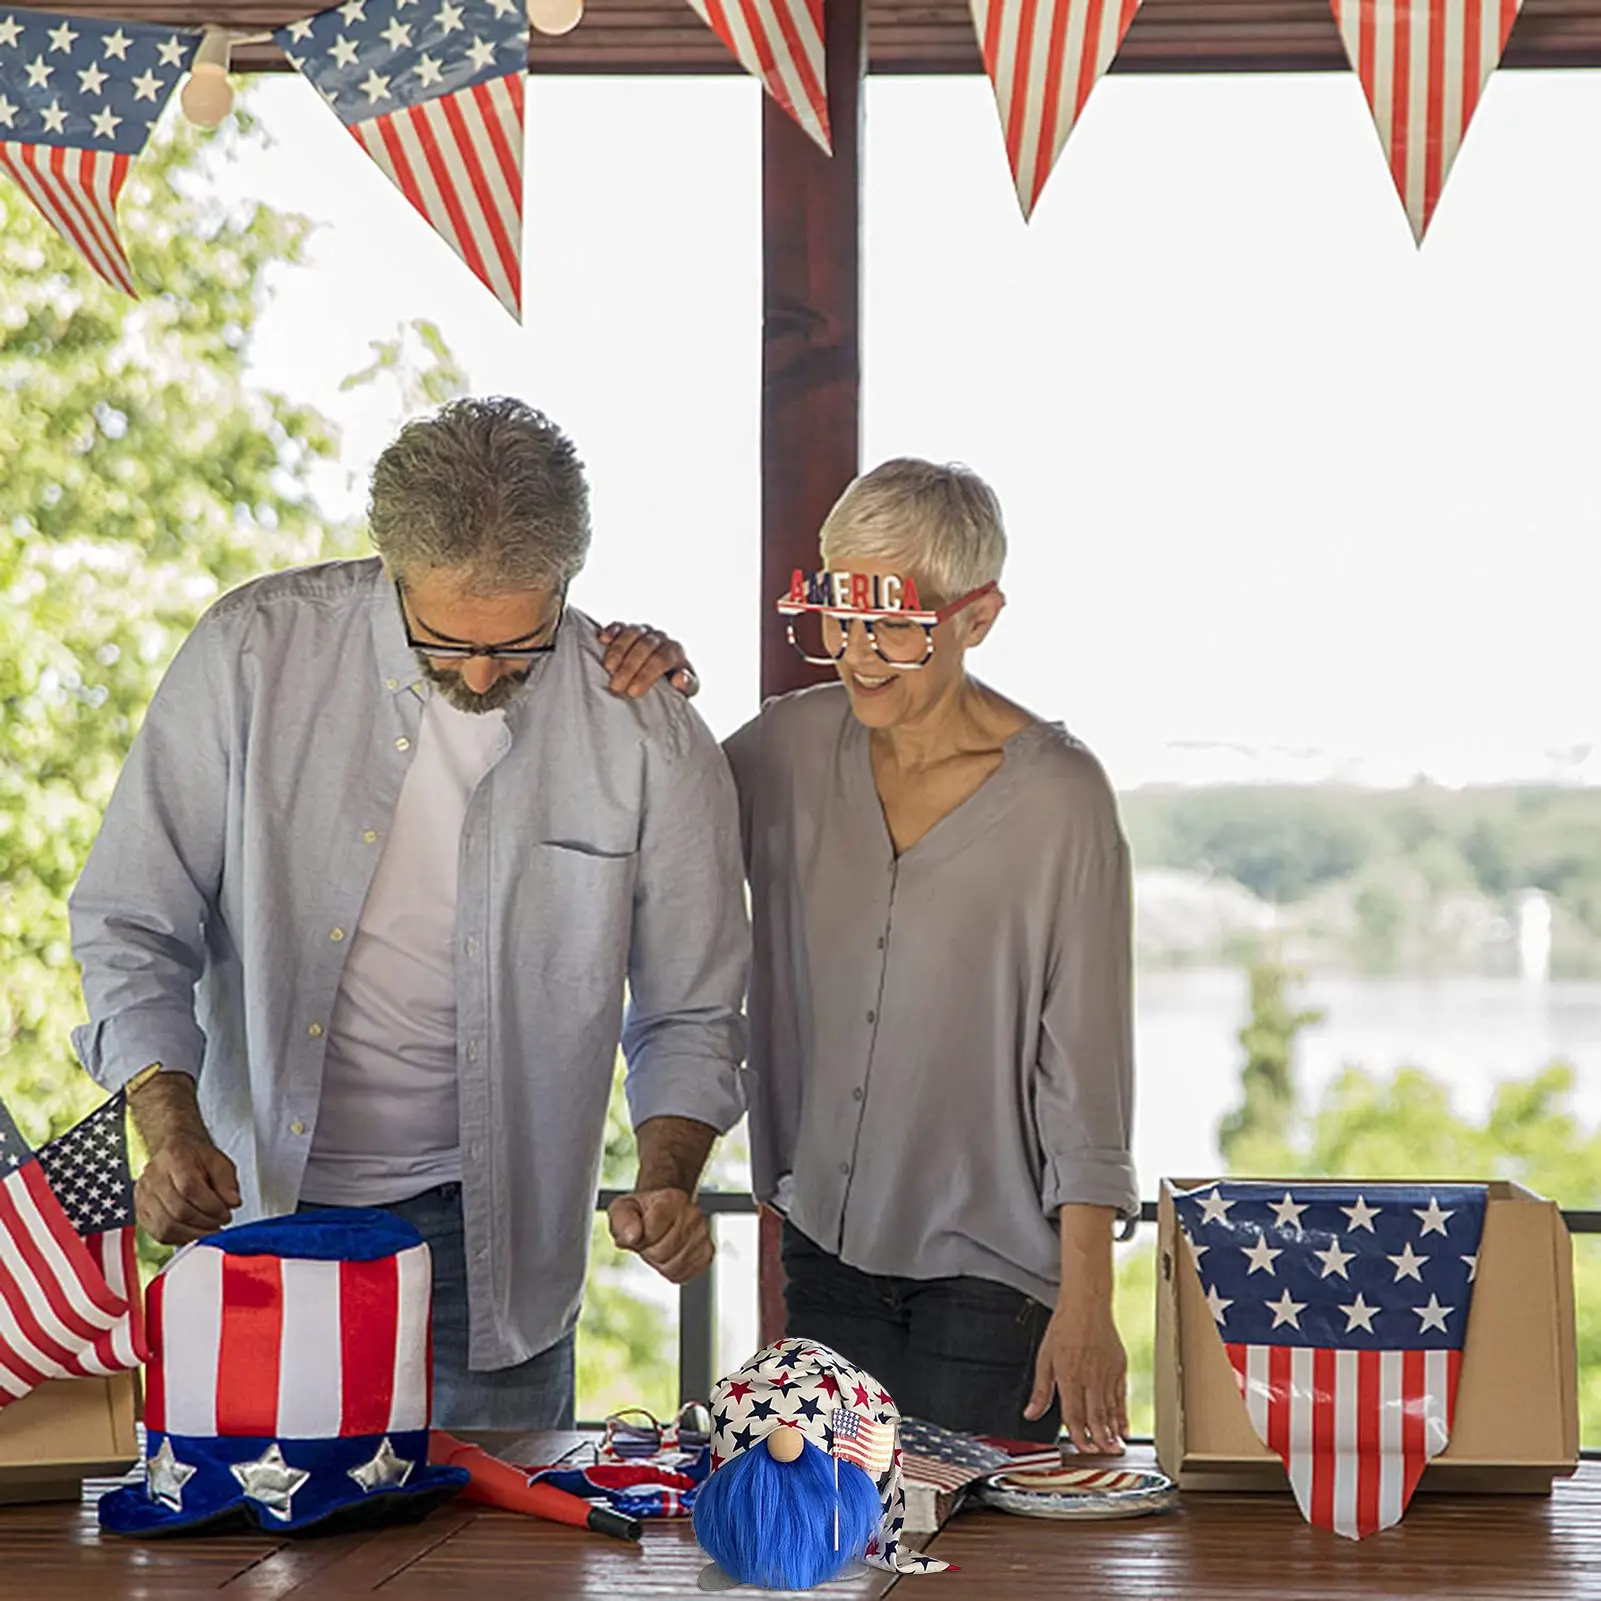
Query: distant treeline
point(1291, 845)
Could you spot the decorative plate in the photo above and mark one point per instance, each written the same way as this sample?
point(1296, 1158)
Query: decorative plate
point(1071, 1492)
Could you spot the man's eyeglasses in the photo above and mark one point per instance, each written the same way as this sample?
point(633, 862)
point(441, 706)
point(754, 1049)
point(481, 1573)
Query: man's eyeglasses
point(901, 638)
point(446, 649)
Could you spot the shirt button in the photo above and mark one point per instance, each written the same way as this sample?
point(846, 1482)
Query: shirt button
point(472, 947)
point(370, 837)
point(472, 1050)
point(402, 743)
point(336, 935)
point(872, 1017)
point(315, 1031)
point(881, 942)
point(857, 1094)
point(297, 1127)
point(845, 1168)
point(392, 683)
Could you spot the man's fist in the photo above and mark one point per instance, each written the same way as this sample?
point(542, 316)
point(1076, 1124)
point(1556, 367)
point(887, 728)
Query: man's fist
point(664, 1227)
point(188, 1188)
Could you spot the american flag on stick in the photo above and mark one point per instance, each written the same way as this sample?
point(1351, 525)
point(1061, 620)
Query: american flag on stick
point(432, 90)
point(1423, 65)
point(1343, 1311)
point(1043, 58)
point(59, 1318)
point(78, 99)
point(855, 1438)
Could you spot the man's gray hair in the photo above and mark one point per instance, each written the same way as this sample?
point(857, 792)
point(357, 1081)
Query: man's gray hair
point(942, 523)
point(490, 489)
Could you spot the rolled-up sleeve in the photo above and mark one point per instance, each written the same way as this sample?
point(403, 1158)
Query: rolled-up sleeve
point(684, 1037)
point(139, 910)
point(1085, 1090)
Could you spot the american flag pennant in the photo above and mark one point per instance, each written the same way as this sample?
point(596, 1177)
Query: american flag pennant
point(855, 1438)
point(57, 1312)
point(90, 1176)
point(78, 99)
point(1043, 58)
point(780, 42)
point(432, 90)
point(1343, 1311)
point(1423, 66)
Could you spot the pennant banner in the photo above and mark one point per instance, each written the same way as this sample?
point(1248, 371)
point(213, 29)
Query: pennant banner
point(1343, 1311)
point(433, 92)
point(1423, 66)
point(78, 99)
point(780, 42)
point(1043, 58)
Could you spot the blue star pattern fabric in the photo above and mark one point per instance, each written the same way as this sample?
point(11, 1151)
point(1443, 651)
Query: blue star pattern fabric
point(78, 98)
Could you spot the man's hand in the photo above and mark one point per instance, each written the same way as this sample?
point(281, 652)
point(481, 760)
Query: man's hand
point(189, 1187)
point(666, 1229)
point(636, 657)
point(1081, 1359)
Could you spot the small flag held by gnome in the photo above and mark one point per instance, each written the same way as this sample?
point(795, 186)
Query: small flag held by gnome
point(806, 1479)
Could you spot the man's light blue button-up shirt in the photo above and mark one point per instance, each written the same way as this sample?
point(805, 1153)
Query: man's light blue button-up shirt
point(600, 852)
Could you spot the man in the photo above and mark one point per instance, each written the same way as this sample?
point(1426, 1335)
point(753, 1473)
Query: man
point(377, 871)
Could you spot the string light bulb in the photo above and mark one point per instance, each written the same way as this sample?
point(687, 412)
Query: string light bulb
point(208, 96)
point(555, 16)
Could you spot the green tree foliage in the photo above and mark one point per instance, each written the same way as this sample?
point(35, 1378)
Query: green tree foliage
point(1255, 1135)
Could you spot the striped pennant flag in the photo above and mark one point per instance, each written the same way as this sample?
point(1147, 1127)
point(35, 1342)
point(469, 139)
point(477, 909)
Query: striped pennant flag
point(1043, 58)
point(432, 90)
point(780, 42)
point(78, 99)
point(1423, 66)
point(57, 1311)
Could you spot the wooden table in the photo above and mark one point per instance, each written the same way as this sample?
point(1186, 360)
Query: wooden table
point(1213, 1548)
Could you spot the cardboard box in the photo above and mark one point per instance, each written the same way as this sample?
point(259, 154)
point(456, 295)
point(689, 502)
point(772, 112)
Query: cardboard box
point(1517, 1409)
point(67, 1431)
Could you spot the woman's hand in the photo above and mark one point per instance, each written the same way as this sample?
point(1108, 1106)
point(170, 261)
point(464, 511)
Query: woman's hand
point(1081, 1360)
point(636, 657)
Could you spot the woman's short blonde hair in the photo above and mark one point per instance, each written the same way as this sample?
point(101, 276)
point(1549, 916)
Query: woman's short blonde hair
point(942, 523)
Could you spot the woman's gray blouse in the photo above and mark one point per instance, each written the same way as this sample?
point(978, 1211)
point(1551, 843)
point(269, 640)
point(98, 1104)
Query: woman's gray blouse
point(942, 1044)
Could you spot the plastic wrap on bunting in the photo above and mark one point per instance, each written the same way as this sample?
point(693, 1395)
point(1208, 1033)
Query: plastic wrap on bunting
point(78, 99)
point(1343, 1311)
point(1043, 58)
point(781, 43)
point(434, 94)
point(1423, 66)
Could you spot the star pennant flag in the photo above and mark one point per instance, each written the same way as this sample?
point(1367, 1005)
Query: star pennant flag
point(59, 1318)
point(1423, 66)
point(433, 92)
point(1043, 58)
point(1343, 1312)
point(780, 42)
point(78, 99)
point(862, 1440)
point(90, 1176)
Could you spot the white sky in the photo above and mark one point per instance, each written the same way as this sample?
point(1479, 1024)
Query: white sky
point(1287, 497)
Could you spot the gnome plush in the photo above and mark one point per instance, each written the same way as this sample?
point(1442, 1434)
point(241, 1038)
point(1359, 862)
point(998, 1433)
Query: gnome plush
point(806, 1480)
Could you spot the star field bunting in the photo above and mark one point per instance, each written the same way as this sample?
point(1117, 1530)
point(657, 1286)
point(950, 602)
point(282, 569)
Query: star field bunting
point(1343, 1311)
point(78, 99)
point(433, 92)
point(1423, 66)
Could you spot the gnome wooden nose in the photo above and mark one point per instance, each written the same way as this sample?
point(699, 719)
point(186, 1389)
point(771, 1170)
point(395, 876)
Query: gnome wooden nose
point(785, 1444)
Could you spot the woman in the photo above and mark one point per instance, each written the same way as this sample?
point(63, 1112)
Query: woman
point(940, 996)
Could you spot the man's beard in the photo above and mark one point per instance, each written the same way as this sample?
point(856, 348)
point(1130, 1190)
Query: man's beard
point(453, 687)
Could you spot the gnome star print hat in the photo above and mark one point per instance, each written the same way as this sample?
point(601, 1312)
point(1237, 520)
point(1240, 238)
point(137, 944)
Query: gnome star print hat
point(835, 1494)
point(289, 1382)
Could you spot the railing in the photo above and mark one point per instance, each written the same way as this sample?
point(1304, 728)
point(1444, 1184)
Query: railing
point(697, 1300)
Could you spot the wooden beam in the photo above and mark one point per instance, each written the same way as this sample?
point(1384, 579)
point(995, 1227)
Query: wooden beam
point(811, 377)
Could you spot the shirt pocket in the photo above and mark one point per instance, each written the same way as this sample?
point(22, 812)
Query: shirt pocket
point(580, 909)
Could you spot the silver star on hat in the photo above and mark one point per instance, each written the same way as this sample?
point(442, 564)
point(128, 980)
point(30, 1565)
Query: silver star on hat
point(165, 1477)
point(386, 1470)
point(271, 1481)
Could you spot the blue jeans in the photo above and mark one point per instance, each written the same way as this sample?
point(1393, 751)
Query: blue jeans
point(958, 1352)
point(536, 1394)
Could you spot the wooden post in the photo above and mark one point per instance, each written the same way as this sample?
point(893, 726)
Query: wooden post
point(811, 376)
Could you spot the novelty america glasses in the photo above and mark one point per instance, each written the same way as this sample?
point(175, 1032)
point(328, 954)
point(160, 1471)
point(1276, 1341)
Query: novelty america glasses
point(821, 609)
point(446, 649)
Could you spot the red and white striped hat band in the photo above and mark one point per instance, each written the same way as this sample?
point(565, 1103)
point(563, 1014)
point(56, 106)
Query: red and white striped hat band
point(289, 1377)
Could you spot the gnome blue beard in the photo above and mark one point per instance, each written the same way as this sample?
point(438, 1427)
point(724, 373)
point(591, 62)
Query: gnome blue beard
point(806, 1478)
point(776, 1517)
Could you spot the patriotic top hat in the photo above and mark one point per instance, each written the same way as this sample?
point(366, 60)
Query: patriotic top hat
point(841, 1410)
point(289, 1381)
